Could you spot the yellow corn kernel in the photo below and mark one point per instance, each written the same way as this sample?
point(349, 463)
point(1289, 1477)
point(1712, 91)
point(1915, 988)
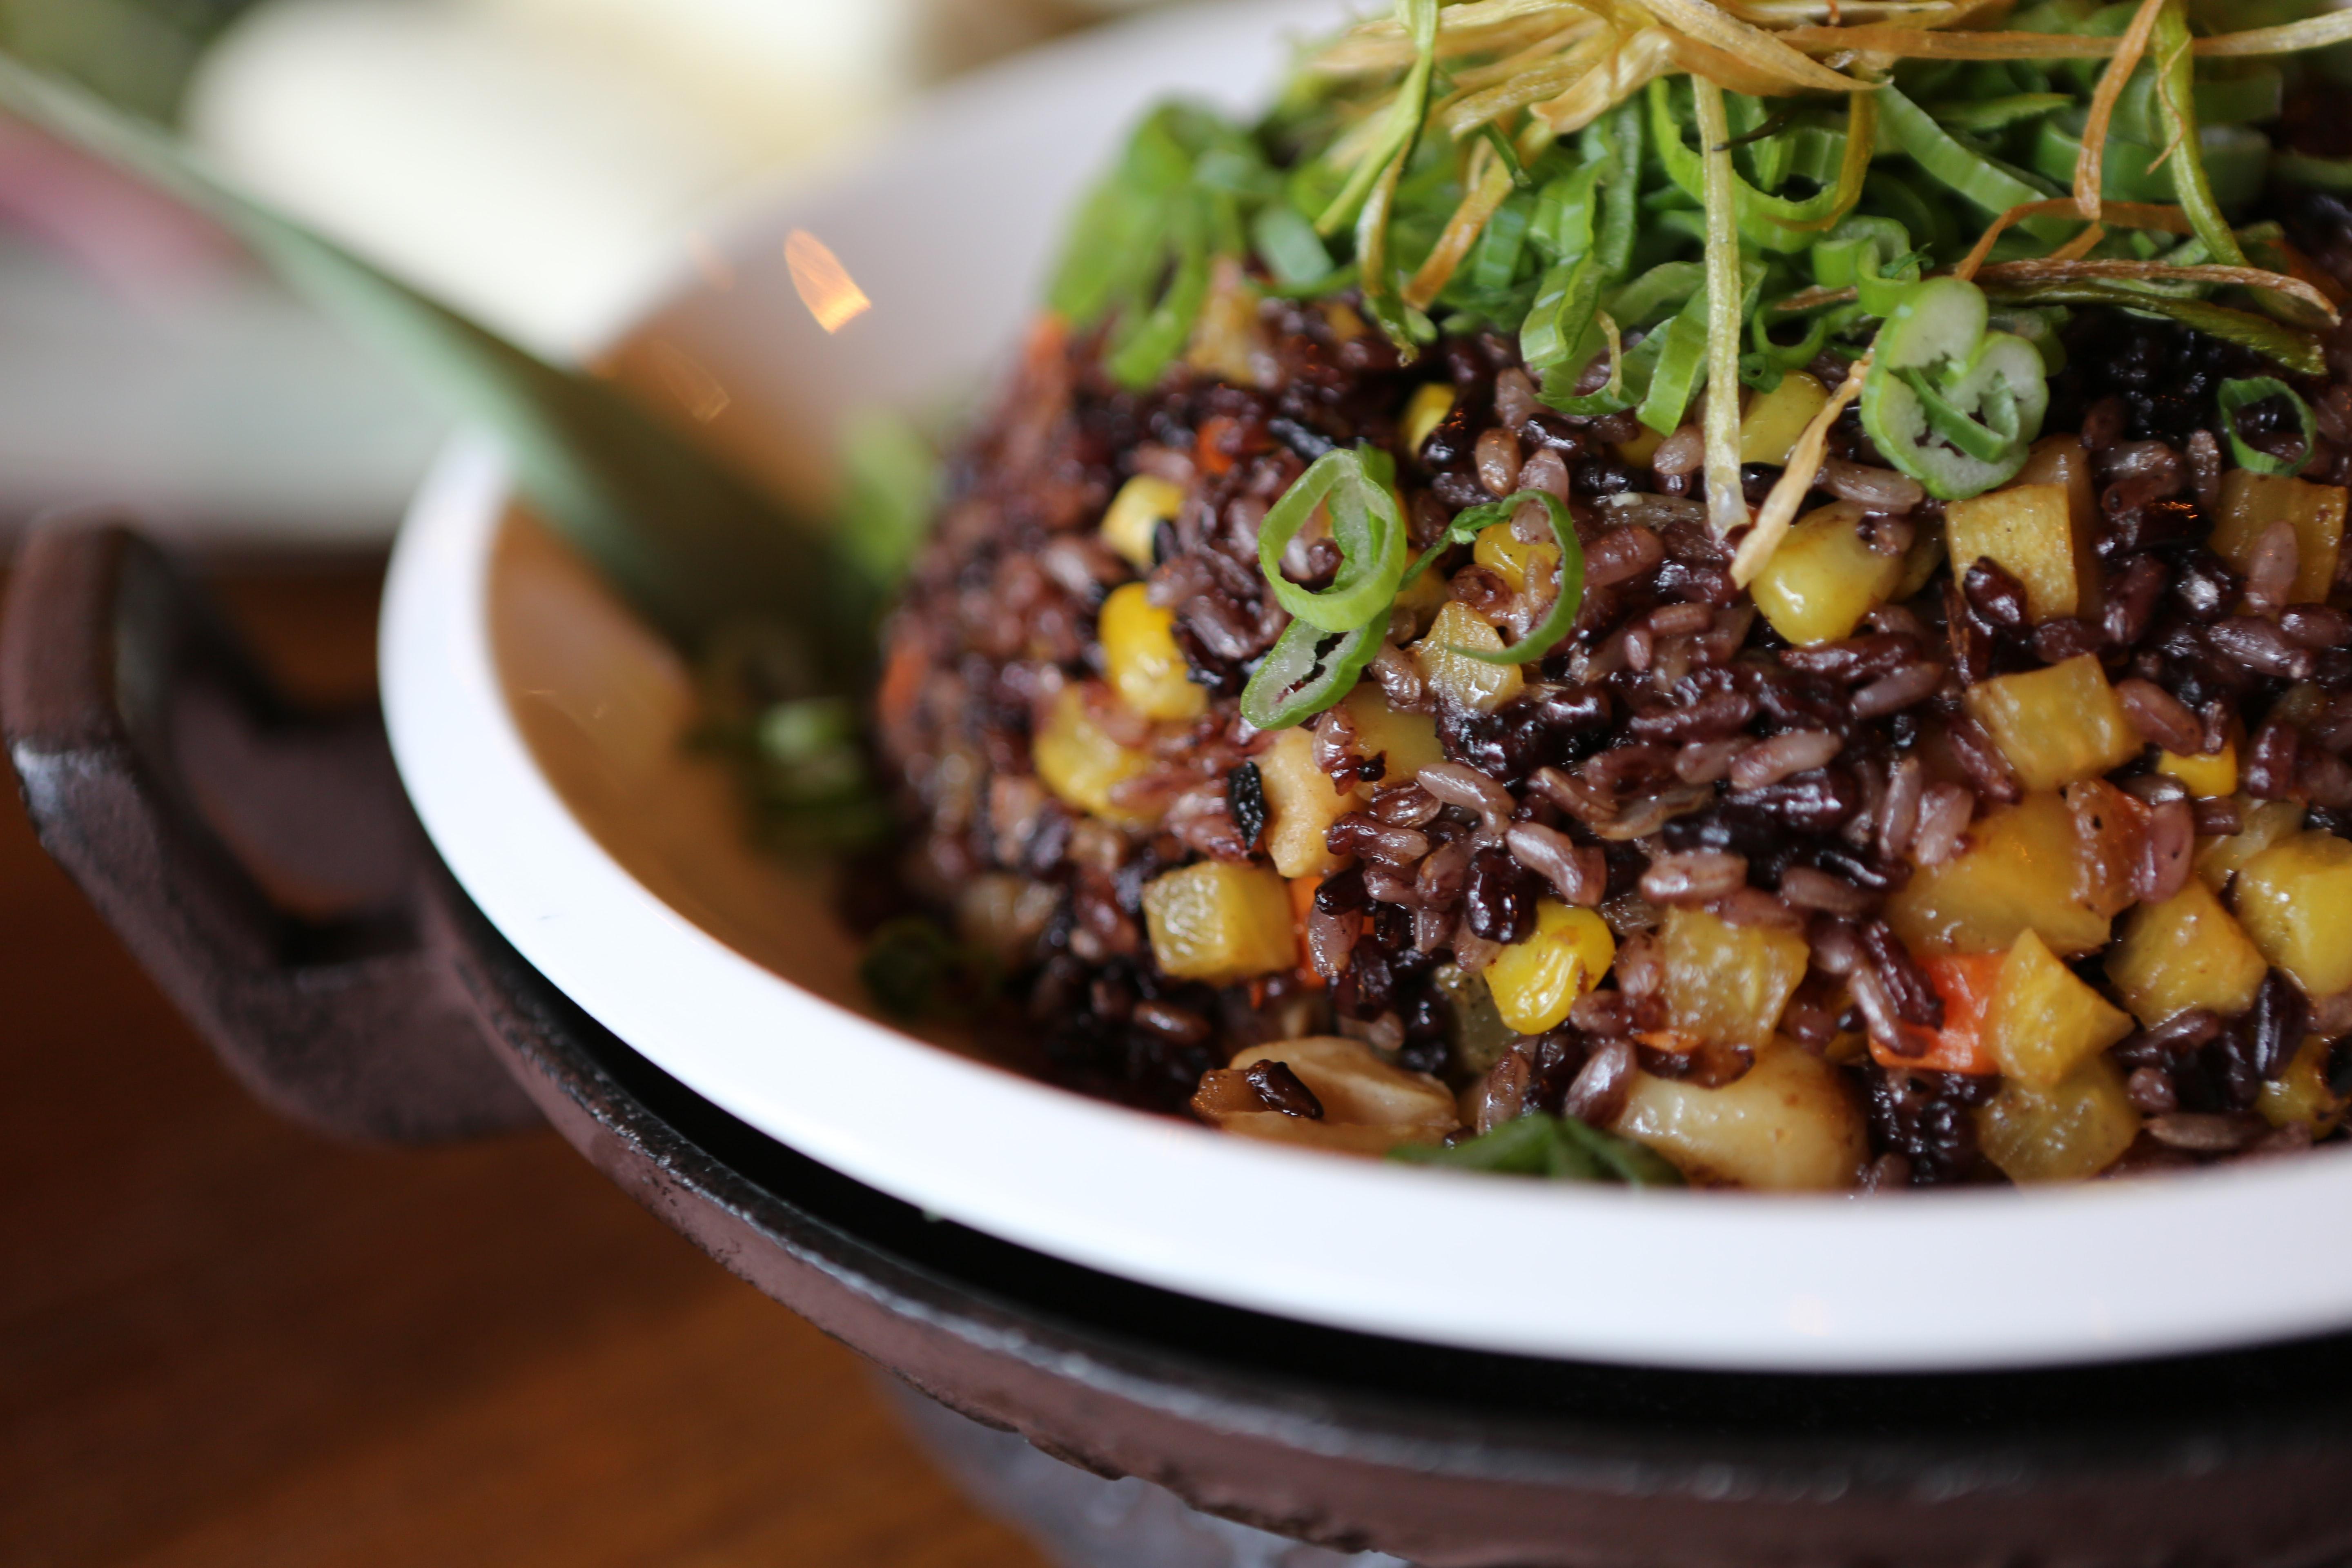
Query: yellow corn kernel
point(2185, 952)
point(1301, 805)
point(2062, 1133)
point(1513, 559)
point(1788, 1124)
point(2250, 503)
point(1470, 682)
point(2295, 899)
point(1081, 762)
point(1727, 983)
point(1431, 403)
point(2017, 874)
point(2302, 1093)
point(1142, 504)
point(1536, 981)
point(2028, 532)
point(1220, 922)
point(1644, 446)
point(1768, 431)
point(1406, 742)
point(2203, 776)
point(2218, 860)
point(2056, 725)
point(1824, 579)
point(1147, 669)
point(2043, 1021)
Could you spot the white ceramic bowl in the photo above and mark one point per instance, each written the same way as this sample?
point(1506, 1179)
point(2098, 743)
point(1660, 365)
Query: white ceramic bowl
point(536, 727)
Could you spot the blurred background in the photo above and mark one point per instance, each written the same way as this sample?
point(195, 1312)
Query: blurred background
point(540, 164)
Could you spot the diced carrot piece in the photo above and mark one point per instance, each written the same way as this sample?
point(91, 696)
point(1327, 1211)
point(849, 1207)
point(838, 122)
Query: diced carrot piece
point(1965, 981)
point(1212, 446)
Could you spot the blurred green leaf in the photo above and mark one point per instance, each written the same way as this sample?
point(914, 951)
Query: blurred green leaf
point(137, 53)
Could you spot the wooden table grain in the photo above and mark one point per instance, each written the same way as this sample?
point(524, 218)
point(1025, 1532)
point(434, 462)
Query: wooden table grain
point(223, 1341)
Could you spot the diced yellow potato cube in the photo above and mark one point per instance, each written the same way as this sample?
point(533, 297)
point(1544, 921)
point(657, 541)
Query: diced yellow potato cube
point(2043, 1021)
point(1081, 762)
point(1142, 504)
point(1407, 742)
point(2250, 503)
point(2185, 952)
point(2027, 530)
point(1301, 805)
point(2302, 1093)
point(1789, 1124)
point(2218, 860)
point(1219, 922)
point(2206, 778)
point(1515, 561)
point(2063, 461)
point(1147, 669)
point(1536, 981)
point(1824, 579)
point(2056, 725)
point(2062, 1133)
point(2021, 871)
point(1919, 563)
point(1430, 403)
point(1416, 607)
point(1727, 983)
point(1470, 682)
point(2295, 899)
point(1775, 420)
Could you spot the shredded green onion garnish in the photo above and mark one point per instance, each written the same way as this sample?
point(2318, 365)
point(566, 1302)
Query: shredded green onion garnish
point(1726, 507)
point(1567, 596)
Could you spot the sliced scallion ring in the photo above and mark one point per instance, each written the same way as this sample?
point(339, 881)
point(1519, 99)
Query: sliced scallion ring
point(1465, 528)
point(1950, 404)
point(1352, 486)
point(1307, 670)
point(2237, 396)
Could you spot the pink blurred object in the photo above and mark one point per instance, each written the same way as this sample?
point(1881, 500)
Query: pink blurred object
point(133, 241)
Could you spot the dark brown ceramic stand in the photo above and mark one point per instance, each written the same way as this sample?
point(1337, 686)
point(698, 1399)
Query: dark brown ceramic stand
point(262, 864)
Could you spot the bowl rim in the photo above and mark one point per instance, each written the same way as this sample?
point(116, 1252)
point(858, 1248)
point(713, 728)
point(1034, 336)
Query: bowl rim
point(1913, 1282)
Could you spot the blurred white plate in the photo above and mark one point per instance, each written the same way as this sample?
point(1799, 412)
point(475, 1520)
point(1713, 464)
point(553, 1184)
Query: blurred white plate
point(537, 725)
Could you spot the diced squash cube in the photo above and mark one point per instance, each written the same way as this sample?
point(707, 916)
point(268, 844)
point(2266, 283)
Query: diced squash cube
point(1426, 410)
point(1081, 762)
point(2021, 871)
point(2063, 461)
point(1789, 1124)
point(1407, 742)
point(2295, 899)
point(1219, 922)
point(2064, 1132)
point(2302, 1093)
point(1416, 607)
point(1919, 563)
point(1133, 520)
point(2185, 952)
point(2027, 530)
point(2250, 503)
point(2044, 1022)
point(1727, 983)
point(1965, 981)
point(1515, 561)
point(2206, 778)
point(2058, 724)
point(1469, 682)
point(2218, 860)
point(1536, 981)
point(1301, 805)
point(1824, 579)
point(1147, 669)
point(1774, 420)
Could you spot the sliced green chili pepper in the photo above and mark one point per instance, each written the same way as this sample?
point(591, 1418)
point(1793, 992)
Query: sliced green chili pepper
point(1465, 528)
point(1307, 671)
point(1936, 372)
point(2237, 396)
point(1352, 485)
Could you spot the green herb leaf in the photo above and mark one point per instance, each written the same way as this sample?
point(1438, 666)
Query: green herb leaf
point(1560, 1148)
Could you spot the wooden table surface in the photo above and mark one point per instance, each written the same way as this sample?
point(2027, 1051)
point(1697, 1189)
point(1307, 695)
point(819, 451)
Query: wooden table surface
point(223, 1341)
